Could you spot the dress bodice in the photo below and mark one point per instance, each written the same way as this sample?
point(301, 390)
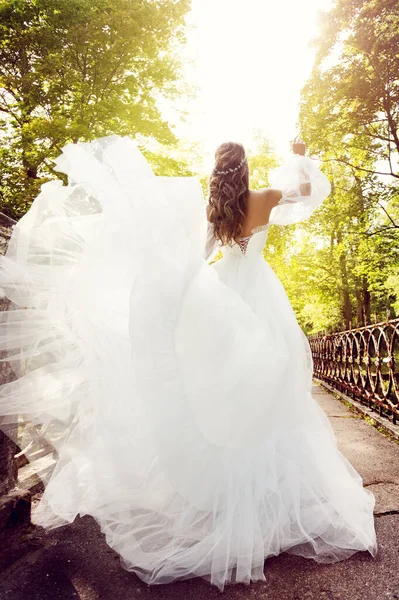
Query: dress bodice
point(251, 245)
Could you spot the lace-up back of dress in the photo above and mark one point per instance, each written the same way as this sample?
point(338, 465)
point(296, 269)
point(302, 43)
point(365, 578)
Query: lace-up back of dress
point(250, 244)
point(243, 243)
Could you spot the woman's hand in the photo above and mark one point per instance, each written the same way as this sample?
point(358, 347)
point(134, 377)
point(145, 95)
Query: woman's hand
point(299, 147)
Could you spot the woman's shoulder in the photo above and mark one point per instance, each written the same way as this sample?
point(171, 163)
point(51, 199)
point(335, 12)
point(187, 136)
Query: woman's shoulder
point(268, 196)
point(260, 193)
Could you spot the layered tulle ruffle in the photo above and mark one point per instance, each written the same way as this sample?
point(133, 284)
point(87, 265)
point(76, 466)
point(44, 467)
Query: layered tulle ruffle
point(176, 394)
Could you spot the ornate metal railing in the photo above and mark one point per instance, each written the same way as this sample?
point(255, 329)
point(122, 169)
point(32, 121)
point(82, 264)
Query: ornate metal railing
point(362, 363)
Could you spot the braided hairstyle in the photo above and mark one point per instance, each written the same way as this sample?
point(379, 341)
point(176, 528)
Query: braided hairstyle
point(228, 192)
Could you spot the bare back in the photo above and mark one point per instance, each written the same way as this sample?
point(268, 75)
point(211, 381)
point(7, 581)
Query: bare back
point(259, 206)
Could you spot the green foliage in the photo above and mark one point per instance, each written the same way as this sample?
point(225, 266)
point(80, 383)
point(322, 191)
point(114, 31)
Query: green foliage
point(261, 161)
point(350, 105)
point(79, 69)
point(342, 266)
point(349, 117)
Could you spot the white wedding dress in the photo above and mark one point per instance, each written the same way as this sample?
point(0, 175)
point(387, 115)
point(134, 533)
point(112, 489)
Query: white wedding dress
point(177, 393)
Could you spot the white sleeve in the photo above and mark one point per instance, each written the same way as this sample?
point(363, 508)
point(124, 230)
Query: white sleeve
point(304, 187)
point(211, 245)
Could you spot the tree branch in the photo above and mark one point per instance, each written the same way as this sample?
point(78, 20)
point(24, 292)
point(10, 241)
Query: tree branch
point(388, 215)
point(345, 162)
point(381, 230)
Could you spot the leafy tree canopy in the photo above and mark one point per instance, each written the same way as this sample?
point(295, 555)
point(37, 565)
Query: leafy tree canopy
point(76, 70)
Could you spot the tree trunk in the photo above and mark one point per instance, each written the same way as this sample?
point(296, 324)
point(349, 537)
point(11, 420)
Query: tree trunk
point(363, 298)
point(366, 302)
point(359, 306)
point(346, 301)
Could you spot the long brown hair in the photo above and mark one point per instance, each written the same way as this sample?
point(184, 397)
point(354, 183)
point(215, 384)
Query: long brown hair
point(228, 192)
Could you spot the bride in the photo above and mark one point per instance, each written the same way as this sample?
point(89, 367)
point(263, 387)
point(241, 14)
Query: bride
point(176, 393)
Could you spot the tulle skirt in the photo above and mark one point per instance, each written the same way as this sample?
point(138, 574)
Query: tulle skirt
point(176, 394)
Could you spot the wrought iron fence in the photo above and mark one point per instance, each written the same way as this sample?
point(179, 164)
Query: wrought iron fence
point(362, 363)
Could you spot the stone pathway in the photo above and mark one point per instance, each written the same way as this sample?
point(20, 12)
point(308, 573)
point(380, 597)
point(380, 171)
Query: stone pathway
point(74, 562)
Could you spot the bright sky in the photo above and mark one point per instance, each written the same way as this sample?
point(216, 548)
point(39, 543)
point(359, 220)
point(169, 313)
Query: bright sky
point(249, 59)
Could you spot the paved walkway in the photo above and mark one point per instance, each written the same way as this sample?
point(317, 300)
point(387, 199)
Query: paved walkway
point(74, 562)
